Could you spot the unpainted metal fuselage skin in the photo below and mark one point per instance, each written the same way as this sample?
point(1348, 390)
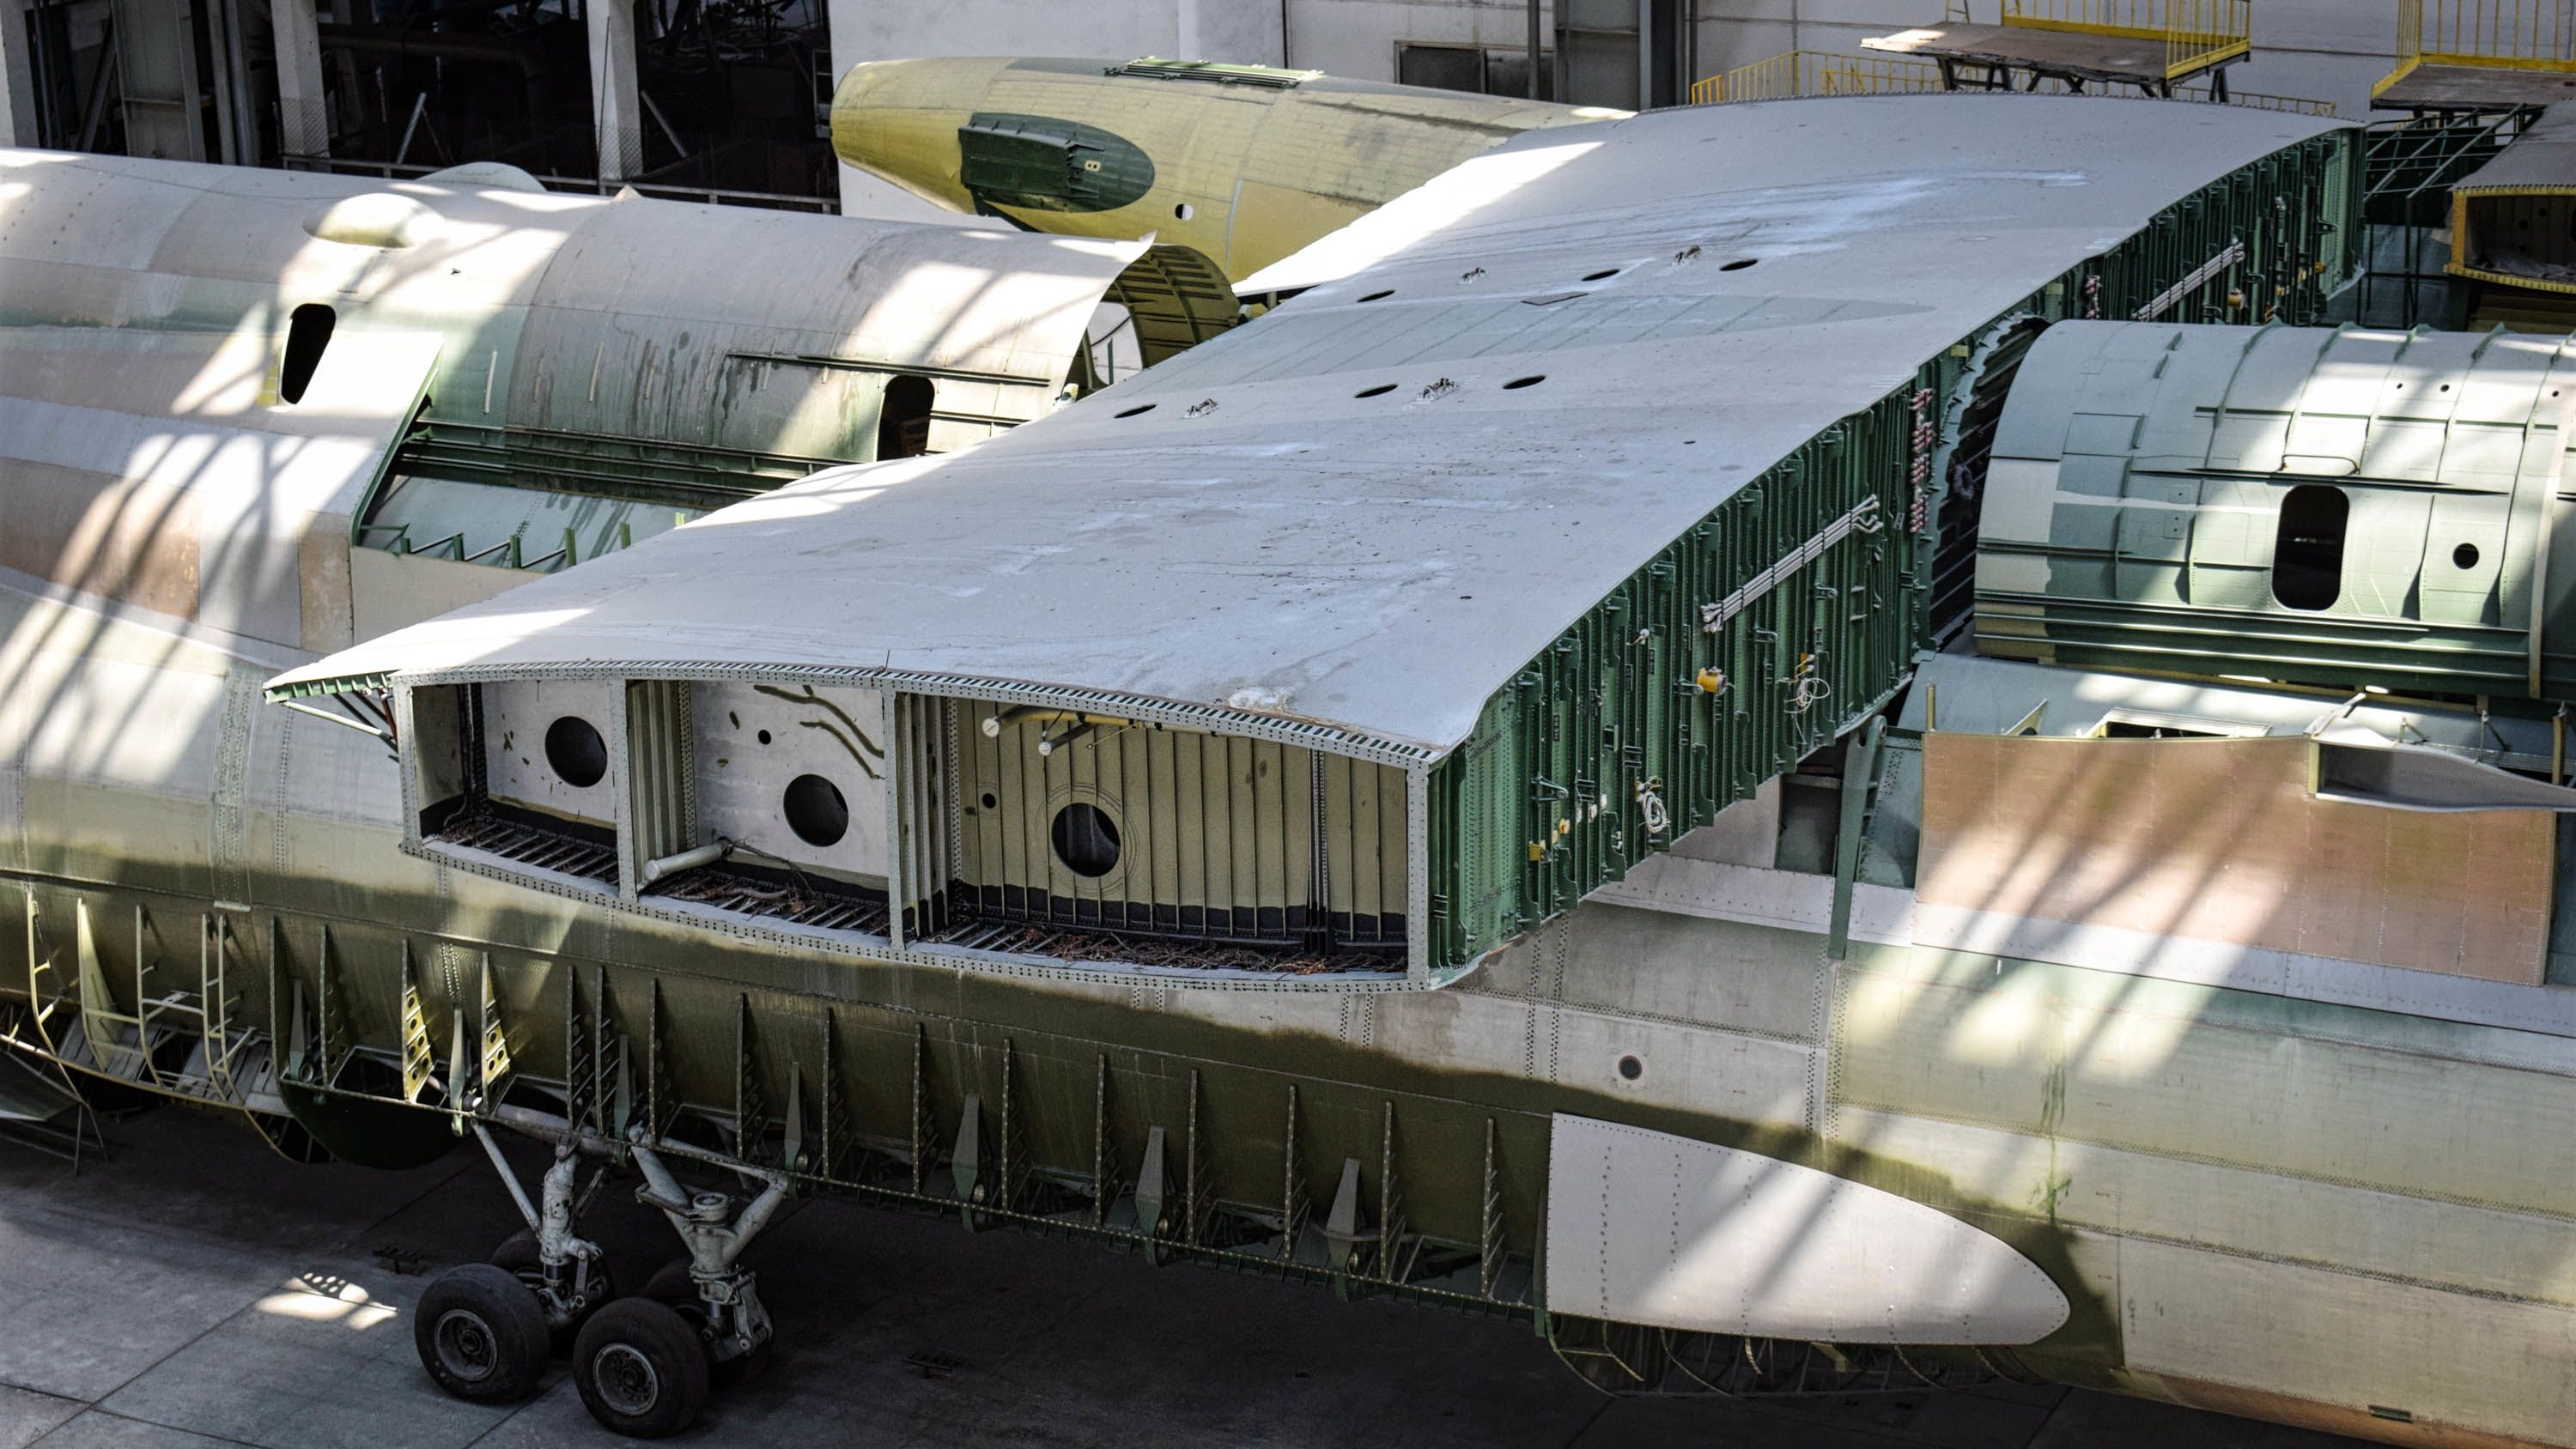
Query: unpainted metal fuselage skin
point(2251, 1201)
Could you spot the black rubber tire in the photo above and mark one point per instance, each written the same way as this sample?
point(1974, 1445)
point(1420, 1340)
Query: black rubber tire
point(517, 1253)
point(480, 1334)
point(670, 1284)
point(517, 1256)
point(641, 1369)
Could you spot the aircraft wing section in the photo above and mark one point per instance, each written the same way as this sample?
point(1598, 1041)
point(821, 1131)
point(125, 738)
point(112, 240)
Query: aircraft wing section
point(1376, 504)
point(1589, 492)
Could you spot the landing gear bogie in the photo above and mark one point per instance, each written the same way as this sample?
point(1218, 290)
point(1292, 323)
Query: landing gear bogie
point(644, 1365)
point(709, 1288)
point(566, 1273)
point(672, 1285)
point(571, 1297)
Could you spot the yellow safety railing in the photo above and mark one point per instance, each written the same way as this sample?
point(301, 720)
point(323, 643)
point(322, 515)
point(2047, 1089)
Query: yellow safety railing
point(2197, 34)
point(2487, 34)
point(2295, 105)
point(1796, 74)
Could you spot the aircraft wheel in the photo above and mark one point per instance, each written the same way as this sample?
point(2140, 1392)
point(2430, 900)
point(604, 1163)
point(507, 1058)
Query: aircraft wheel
point(480, 1334)
point(670, 1284)
point(641, 1368)
point(517, 1256)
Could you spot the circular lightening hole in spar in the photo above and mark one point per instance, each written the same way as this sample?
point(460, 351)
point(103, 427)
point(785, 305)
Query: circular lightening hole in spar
point(1085, 839)
point(576, 752)
point(815, 810)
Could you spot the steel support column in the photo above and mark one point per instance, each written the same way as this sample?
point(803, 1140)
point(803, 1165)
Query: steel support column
point(1645, 55)
point(17, 78)
point(156, 79)
point(616, 102)
point(303, 118)
point(1534, 50)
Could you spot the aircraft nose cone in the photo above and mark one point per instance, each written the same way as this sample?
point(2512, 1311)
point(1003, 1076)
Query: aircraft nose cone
point(899, 120)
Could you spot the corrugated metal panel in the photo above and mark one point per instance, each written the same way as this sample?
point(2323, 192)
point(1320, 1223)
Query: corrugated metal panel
point(1210, 837)
point(1362, 807)
point(924, 845)
point(663, 775)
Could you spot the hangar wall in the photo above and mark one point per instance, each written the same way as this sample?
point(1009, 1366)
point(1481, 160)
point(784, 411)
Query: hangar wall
point(2319, 49)
point(2322, 49)
point(2330, 50)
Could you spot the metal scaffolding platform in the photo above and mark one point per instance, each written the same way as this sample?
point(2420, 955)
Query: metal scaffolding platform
point(2149, 44)
point(2480, 56)
point(1794, 74)
point(2409, 168)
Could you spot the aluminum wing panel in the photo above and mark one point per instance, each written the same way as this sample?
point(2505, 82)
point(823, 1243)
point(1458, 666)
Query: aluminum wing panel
point(1378, 543)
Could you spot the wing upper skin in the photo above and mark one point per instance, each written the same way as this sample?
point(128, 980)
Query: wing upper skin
point(1255, 522)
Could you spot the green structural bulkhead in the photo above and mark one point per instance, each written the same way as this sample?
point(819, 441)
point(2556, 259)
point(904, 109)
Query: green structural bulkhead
point(2329, 507)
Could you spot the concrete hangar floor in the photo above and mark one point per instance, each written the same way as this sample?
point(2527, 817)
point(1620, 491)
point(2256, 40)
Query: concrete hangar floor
point(193, 1294)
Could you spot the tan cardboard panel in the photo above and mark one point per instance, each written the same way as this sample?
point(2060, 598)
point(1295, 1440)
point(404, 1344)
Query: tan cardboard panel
point(2222, 840)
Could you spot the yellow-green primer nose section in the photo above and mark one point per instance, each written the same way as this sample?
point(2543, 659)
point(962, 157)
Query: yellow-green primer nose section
point(899, 119)
point(1242, 163)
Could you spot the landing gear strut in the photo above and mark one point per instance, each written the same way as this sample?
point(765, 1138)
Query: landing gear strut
point(644, 1364)
point(485, 1330)
point(566, 1272)
point(629, 1361)
point(723, 1298)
